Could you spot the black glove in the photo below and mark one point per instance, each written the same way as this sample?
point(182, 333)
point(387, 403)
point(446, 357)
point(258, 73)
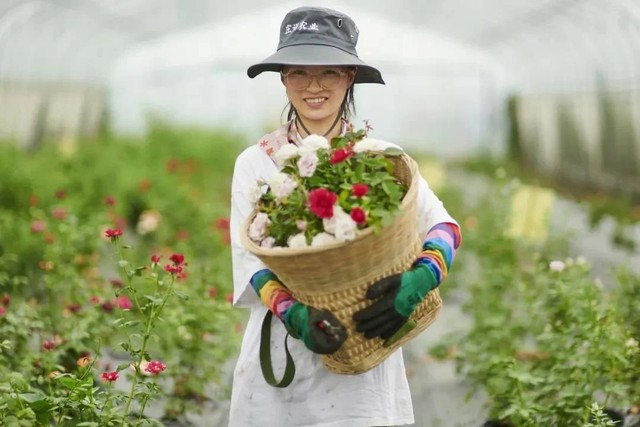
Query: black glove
point(398, 297)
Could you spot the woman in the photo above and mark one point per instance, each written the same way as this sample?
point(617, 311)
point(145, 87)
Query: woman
point(318, 65)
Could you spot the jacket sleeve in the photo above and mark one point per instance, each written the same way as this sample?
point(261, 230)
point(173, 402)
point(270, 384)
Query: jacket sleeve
point(431, 211)
point(245, 175)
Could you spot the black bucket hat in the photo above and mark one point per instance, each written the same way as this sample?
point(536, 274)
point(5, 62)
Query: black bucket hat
point(317, 36)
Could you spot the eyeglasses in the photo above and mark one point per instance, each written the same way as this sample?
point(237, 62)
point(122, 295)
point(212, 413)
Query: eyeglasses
point(300, 79)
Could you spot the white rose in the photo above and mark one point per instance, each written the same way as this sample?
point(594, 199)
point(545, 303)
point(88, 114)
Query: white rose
point(255, 193)
point(285, 153)
point(345, 229)
point(313, 143)
point(278, 181)
point(286, 188)
point(329, 224)
point(367, 144)
point(322, 239)
point(258, 227)
point(297, 241)
point(268, 242)
point(307, 164)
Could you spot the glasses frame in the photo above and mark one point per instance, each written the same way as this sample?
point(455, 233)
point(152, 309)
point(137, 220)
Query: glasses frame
point(317, 78)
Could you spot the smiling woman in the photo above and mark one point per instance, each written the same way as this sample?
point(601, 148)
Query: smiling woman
point(319, 66)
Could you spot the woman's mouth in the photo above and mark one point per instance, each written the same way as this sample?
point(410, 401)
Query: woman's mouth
point(315, 101)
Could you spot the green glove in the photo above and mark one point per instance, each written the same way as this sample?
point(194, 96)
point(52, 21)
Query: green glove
point(397, 297)
point(319, 330)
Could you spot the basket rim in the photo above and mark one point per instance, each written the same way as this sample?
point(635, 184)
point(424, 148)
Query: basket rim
point(282, 252)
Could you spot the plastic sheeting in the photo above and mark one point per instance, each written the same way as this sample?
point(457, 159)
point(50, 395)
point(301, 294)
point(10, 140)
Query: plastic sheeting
point(199, 77)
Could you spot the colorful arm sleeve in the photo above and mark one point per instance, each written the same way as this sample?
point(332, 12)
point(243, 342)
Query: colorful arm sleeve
point(439, 249)
point(273, 294)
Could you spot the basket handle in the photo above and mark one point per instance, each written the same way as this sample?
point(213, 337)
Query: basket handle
point(265, 356)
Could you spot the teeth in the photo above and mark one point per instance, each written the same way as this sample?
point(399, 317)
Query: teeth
point(315, 100)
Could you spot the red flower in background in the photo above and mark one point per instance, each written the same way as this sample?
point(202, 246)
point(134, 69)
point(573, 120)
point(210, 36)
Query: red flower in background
point(109, 201)
point(172, 165)
point(222, 223)
point(177, 259)
point(360, 190)
point(61, 194)
point(3, 311)
point(155, 259)
point(109, 376)
point(173, 269)
point(155, 367)
point(113, 233)
point(6, 299)
point(321, 202)
point(49, 345)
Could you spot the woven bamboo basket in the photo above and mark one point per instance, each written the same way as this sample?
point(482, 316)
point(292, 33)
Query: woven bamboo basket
point(337, 276)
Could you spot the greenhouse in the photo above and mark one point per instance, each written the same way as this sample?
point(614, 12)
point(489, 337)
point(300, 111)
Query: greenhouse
point(157, 203)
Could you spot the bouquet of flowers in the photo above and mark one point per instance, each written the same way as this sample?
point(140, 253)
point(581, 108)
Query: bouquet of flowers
point(325, 192)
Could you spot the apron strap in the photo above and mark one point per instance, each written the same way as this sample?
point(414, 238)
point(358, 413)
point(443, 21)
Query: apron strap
point(265, 356)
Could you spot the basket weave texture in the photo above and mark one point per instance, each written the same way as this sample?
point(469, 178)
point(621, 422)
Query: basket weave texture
point(336, 276)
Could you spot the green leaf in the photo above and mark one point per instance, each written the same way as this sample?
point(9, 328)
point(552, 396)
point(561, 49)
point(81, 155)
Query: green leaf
point(393, 151)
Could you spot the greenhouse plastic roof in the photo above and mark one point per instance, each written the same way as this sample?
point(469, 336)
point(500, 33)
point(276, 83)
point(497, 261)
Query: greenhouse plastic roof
point(552, 42)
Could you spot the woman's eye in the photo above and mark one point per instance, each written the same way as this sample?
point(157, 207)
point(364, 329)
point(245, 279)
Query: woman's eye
point(298, 72)
point(330, 73)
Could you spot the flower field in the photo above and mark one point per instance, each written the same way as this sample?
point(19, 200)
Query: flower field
point(115, 250)
point(115, 286)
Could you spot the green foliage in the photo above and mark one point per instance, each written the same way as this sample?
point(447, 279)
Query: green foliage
point(67, 300)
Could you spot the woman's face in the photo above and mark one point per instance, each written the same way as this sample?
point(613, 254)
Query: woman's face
point(317, 92)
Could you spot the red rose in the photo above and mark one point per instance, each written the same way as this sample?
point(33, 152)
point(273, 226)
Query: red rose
point(360, 190)
point(321, 201)
point(177, 259)
point(358, 215)
point(340, 155)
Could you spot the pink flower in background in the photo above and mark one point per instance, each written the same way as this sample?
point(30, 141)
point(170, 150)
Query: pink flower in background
point(109, 201)
point(229, 298)
point(6, 299)
point(109, 376)
point(155, 259)
point(155, 367)
point(3, 311)
point(213, 292)
point(124, 303)
point(61, 194)
point(59, 213)
point(38, 226)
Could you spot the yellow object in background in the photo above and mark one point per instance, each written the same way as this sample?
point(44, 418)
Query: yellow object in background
point(434, 172)
point(530, 213)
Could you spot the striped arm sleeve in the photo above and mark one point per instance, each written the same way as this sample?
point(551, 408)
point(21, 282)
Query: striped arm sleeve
point(439, 249)
point(273, 294)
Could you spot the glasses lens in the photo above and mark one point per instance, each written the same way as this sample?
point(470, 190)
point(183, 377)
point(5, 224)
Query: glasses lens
point(330, 79)
point(299, 79)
